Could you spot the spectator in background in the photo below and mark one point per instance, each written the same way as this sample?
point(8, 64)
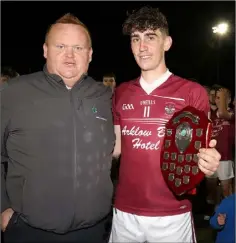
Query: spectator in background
point(223, 220)
point(224, 132)
point(109, 79)
point(6, 74)
point(212, 96)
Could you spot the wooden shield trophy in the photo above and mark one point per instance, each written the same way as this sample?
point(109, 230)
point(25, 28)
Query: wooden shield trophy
point(186, 132)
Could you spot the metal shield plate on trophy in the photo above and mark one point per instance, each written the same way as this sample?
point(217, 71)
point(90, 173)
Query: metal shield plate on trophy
point(186, 132)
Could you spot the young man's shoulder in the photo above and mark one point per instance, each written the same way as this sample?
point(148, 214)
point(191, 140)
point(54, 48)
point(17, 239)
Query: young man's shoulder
point(188, 83)
point(124, 88)
point(124, 85)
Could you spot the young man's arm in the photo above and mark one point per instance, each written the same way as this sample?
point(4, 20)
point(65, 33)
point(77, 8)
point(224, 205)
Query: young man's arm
point(117, 129)
point(117, 148)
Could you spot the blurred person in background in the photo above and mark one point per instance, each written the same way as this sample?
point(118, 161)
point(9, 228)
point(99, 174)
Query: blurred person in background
point(212, 96)
point(223, 131)
point(223, 220)
point(6, 74)
point(109, 79)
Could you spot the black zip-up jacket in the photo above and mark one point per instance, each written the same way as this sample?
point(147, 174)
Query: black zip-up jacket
point(58, 144)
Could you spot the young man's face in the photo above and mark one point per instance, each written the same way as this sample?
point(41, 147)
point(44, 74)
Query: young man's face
point(149, 47)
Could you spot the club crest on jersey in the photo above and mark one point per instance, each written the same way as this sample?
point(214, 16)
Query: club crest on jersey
point(169, 109)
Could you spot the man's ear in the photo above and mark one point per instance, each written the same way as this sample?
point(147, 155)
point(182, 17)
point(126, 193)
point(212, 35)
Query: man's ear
point(167, 43)
point(90, 54)
point(45, 50)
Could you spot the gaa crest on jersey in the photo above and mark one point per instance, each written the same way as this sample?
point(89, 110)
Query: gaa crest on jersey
point(169, 109)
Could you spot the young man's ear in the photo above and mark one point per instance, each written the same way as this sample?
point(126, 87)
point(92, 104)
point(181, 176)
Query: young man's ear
point(167, 43)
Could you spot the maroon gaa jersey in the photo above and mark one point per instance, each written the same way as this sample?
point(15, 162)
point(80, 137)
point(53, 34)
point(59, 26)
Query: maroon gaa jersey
point(141, 189)
point(224, 132)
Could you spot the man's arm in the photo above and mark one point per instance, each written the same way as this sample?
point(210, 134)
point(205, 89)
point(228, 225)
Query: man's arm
point(6, 210)
point(4, 158)
point(222, 105)
point(117, 149)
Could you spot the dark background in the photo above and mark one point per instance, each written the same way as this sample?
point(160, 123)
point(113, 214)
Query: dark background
point(193, 54)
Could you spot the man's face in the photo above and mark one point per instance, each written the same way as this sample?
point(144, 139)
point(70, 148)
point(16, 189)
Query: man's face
point(212, 97)
point(149, 47)
point(68, 52)
point(109, 81)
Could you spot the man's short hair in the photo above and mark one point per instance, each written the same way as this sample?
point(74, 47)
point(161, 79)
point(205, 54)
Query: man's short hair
point(217, 87)
point(69, 19)
point(145, 18)
point(8, 73)
point(109, 74)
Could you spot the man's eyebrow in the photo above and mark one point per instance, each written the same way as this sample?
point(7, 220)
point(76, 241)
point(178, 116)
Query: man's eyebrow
point(149, 34)
point(134, 35)
point(146, 34)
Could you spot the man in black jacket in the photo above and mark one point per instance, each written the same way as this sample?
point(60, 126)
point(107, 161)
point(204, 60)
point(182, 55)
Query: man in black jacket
point(57, 138)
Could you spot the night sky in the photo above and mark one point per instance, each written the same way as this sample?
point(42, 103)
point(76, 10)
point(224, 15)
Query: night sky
point(193, 54)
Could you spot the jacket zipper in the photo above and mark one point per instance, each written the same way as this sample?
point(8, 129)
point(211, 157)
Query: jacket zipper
point(73, 107)
point(74, 152)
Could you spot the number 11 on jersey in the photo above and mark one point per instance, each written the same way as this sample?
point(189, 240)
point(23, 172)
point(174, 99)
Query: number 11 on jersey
point(146, 111)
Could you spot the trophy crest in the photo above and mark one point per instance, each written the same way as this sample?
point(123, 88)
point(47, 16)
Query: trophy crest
point(186, 132)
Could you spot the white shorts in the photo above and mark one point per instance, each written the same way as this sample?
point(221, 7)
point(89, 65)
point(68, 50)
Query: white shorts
point(225, 171)
point(132, 228)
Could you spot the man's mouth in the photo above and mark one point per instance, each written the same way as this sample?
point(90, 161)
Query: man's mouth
point(144, 57)
point(69, 64)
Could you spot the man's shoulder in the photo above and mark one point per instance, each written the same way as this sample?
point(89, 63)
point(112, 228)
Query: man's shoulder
point(19, 85)
point(188, 83)
point(98, 89)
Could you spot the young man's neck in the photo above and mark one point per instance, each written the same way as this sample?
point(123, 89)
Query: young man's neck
point(152, 75)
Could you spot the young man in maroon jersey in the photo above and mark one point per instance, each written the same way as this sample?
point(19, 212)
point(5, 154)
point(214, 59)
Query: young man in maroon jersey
point(145, 209)
point(223, 119)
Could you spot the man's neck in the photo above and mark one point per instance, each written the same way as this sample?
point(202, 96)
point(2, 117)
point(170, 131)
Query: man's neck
point(152, 75)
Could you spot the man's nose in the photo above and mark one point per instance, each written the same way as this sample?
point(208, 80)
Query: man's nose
point(69, 51)
point(142, 46)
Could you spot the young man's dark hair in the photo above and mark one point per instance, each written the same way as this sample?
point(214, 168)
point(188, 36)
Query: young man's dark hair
point(145, 18)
